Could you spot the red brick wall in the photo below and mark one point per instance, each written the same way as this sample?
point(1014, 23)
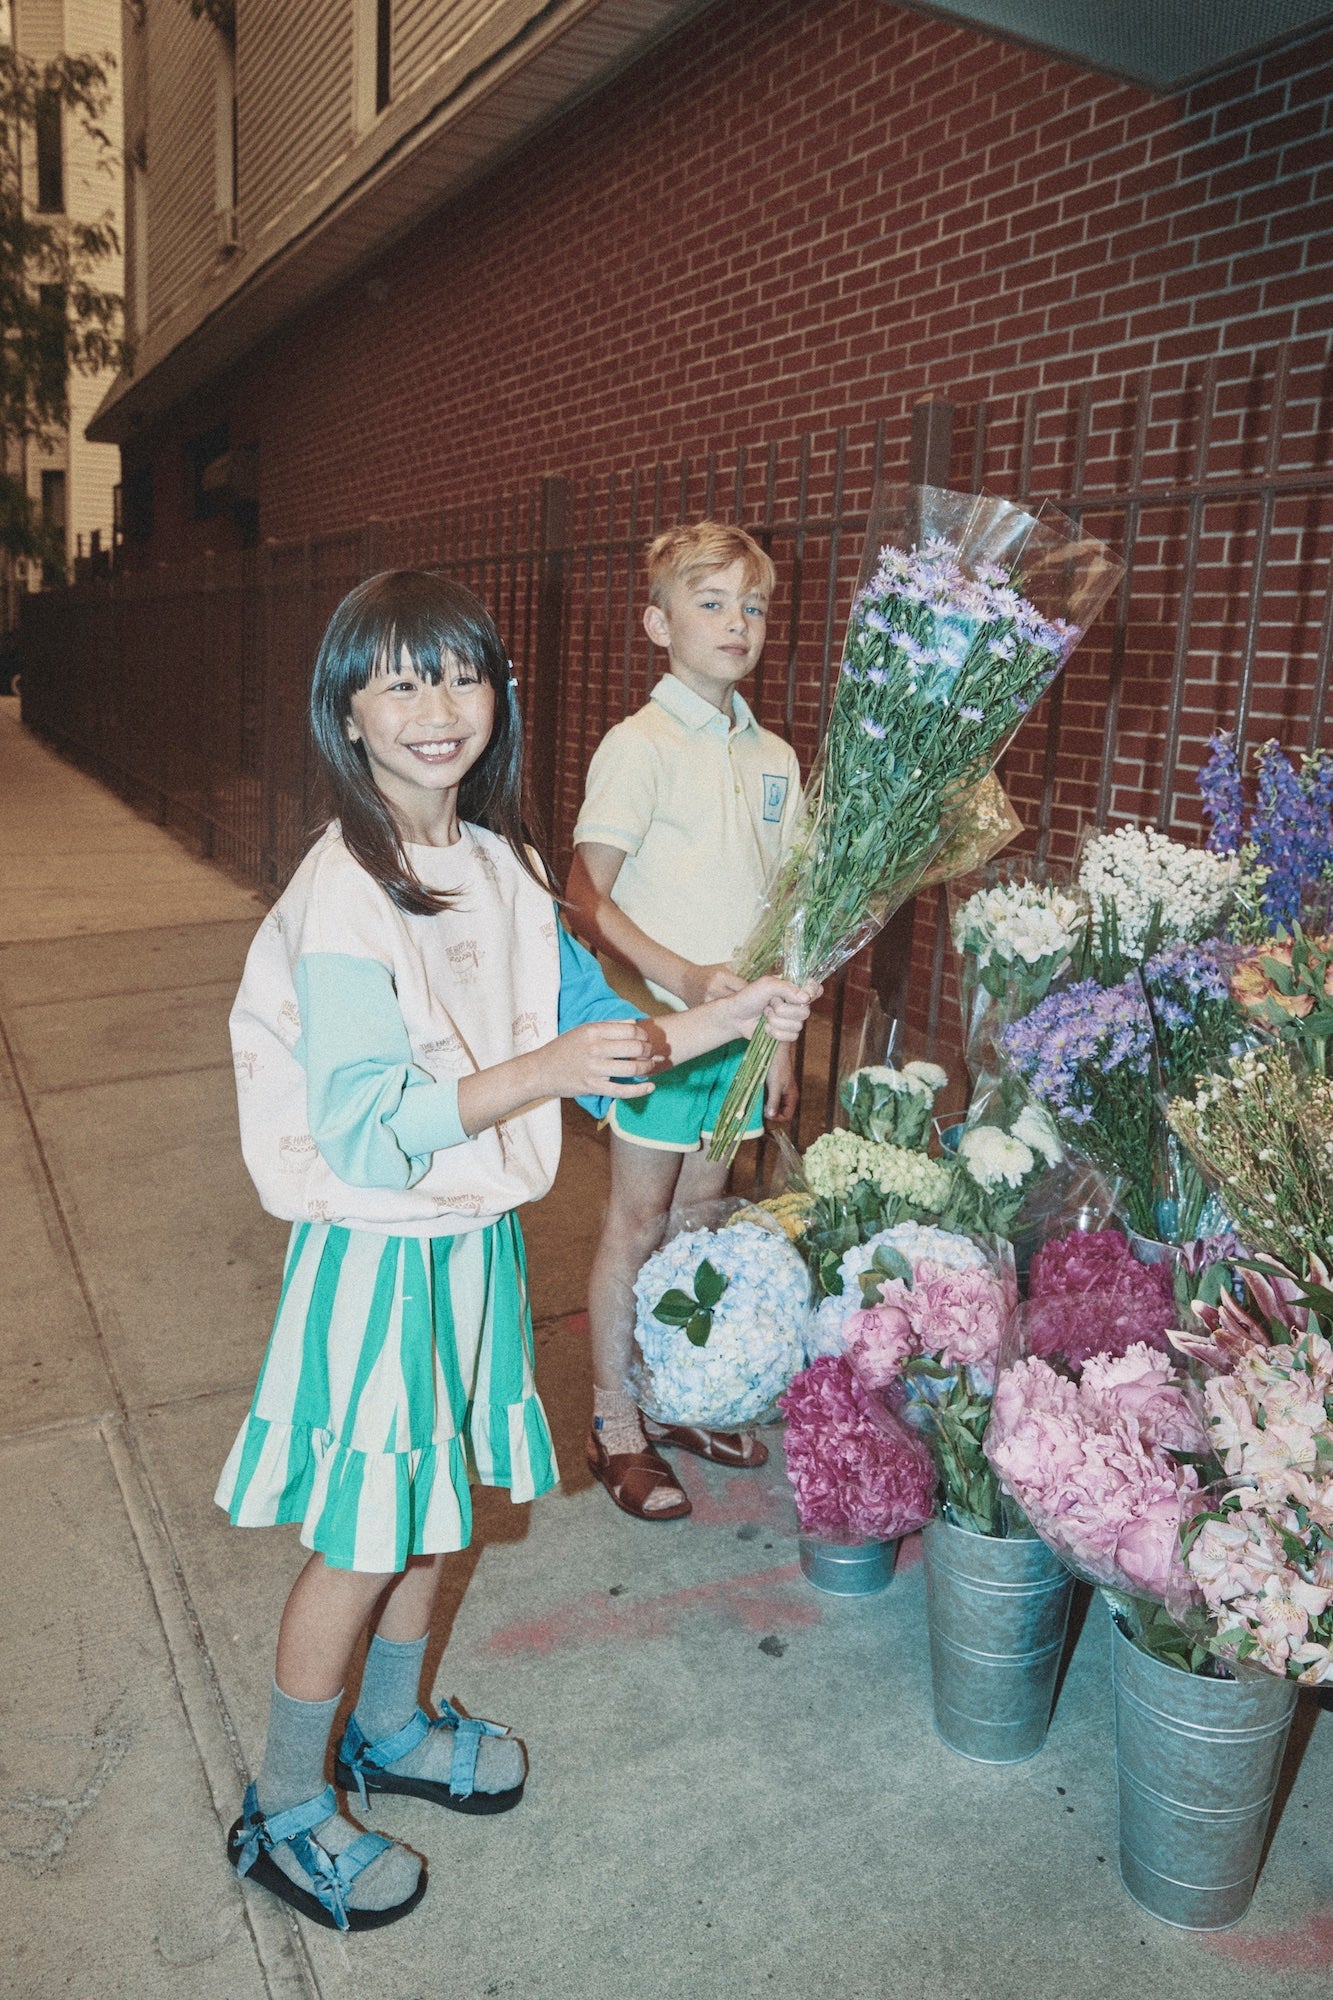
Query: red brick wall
point(798, 213)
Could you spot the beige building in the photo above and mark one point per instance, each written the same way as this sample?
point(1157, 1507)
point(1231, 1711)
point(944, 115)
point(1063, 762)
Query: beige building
point(73, 481)
point(271, 150)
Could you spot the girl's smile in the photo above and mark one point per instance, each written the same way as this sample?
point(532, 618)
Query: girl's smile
point(421, 738)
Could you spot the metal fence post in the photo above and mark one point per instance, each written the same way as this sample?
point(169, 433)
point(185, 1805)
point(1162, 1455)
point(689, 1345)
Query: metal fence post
point(891, 954)
point(543, 718)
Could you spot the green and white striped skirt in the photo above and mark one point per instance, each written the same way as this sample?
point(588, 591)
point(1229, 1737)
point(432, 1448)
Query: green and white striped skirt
point(400, 1368)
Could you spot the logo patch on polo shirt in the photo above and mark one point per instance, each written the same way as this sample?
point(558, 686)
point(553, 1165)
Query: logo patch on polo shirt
point(775, 796)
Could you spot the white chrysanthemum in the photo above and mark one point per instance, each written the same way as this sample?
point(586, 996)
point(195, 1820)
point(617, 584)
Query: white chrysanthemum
point(994, 1158)
point(757, 1340)
point(1033, 1126)
point(926, 1076)
point(1028, 921)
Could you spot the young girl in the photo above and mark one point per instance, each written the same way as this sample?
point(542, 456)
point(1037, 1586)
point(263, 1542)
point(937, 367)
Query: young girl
point(410, 1016)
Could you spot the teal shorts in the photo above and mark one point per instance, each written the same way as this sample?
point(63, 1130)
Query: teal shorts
point(680, 1114)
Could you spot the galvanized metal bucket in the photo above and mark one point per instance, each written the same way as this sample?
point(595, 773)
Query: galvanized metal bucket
point(847, 1569)
point(997, 1612)
point(1197, 1764)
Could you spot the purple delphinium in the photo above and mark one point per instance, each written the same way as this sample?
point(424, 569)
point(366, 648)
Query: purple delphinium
point(1290, 828)
point(1223, 798)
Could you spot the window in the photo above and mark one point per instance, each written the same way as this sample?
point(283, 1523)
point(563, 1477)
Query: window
point(372, 60)
point(135, 505)
point(51, 338)
point(53, 516)
point(383, 51)
point(50, 157)
point(206, 453)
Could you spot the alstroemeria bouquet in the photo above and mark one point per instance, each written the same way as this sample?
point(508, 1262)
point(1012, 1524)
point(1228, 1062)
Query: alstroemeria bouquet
point(1262, 1552)
point(1285, 988)
point(720, 1322)
point(947, 650)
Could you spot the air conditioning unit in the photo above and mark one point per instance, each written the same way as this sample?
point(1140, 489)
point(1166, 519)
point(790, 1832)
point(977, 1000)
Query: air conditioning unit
point(228, 232)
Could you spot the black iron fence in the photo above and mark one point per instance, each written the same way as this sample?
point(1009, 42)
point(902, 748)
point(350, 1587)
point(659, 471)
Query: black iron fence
point(185, 688)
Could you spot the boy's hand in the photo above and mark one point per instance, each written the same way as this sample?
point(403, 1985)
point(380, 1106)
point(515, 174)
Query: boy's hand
point(784, 1008)
point(781, 1091)
point(702, 983)
point(599, 1059)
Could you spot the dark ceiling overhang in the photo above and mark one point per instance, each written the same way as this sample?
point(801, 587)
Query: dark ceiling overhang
point(1164, 45)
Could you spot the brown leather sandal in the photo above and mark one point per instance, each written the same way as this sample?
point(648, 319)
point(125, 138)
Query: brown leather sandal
point(630, 1477)
point(735, 1448)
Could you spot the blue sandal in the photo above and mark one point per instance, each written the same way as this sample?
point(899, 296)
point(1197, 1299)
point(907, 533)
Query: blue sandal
point(362, 1766)
point(249, 1849)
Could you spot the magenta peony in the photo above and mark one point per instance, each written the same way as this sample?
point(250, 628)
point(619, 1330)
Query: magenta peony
point(1089, 1294)
point(857, 1471)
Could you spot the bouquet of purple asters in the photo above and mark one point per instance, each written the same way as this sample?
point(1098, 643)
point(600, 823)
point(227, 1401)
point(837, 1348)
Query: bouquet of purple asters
point(951, 642)
point(857, 1471)
point(1198, 1024)
point(1088, 1294)
point(1086, 1054)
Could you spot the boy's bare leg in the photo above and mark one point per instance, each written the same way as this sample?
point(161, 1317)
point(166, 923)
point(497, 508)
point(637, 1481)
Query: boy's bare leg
point(646, 1181)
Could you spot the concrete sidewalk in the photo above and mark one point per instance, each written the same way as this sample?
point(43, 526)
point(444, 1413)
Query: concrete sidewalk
point(735, 1789)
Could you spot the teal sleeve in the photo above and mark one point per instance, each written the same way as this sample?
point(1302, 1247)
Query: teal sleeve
point(585, 996)
point(375, 1117)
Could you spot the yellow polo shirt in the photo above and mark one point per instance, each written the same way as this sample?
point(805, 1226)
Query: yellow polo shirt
point(701, 807)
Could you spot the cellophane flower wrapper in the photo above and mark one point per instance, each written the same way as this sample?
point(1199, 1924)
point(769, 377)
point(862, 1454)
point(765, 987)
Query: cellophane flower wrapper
point(1260, 1544)
point(857, 1471)
point(982, 827)
point(1102, 1465)
point(757, 1336)
point(1260, 1134)
point(1015, 933)
point(1006, 1147)
point(966, 609)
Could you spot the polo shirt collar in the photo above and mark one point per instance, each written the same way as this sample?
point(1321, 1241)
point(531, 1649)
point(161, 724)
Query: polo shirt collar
point(696, 713)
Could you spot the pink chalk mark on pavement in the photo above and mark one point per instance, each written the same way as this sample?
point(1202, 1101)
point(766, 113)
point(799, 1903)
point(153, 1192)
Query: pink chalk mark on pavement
point(1306, 1948)
point(762, 1601)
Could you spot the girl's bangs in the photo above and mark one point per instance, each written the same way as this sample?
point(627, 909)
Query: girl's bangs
point(426, 629)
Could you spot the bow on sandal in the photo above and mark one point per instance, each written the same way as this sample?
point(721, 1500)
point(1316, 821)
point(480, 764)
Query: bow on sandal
point(250, 1846)
point(363, 1765)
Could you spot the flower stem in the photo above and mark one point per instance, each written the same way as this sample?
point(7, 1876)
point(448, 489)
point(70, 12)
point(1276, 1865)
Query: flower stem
point(742, 1092)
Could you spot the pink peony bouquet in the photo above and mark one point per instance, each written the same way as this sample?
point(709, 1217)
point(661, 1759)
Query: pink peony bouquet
point(1091, 1463)
point(1088, 1294)
point(954, 1318)
point(857, 1471)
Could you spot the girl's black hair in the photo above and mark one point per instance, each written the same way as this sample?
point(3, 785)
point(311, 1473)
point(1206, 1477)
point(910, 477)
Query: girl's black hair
point(431, 616)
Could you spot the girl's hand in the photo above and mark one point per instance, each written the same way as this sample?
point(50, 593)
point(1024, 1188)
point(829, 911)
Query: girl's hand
point(785, 1008)
point(599, 1059)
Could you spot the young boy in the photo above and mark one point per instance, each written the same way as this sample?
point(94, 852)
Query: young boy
point(687, 806)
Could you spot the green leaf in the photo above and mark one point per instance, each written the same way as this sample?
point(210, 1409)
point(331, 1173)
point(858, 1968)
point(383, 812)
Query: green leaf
point(709, 1284)
point(674, 1308)
point(698, 1327)
point(892, 1264)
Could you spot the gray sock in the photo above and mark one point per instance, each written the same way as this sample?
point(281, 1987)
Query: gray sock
point(292, 1772)
point(389, 1686)
point(389, 1698)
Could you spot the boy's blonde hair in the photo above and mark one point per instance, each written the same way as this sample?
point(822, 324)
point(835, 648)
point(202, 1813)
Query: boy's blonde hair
point(681, 555)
